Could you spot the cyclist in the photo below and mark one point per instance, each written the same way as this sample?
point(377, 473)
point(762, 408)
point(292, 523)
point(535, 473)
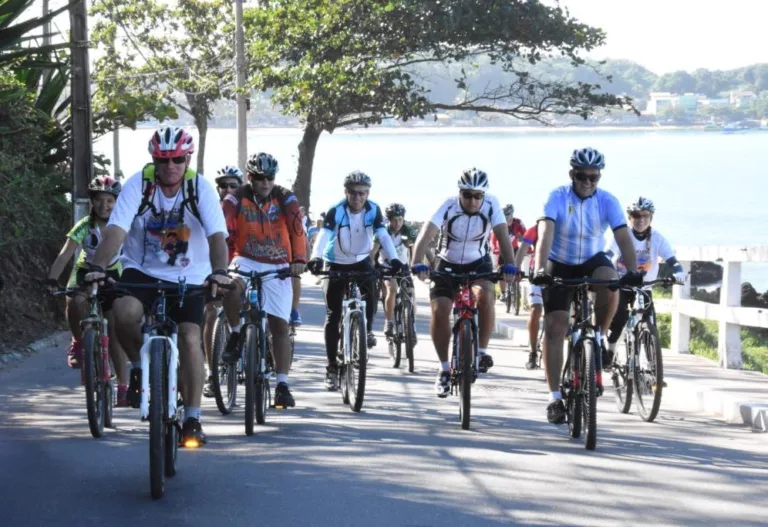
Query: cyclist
point(516, 231)
point(265, 224)
point(534, 296)
point(464, 224)
point(228, 180)
point(345, 242)
point(86, 234)
point(173, 228)
point(403, 238)
point(650, 246)
point(570, 245)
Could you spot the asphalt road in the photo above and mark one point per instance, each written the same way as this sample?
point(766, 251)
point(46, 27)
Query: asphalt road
point(404, 460)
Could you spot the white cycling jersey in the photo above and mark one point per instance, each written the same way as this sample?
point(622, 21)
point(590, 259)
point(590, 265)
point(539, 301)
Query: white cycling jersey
point(464, 237)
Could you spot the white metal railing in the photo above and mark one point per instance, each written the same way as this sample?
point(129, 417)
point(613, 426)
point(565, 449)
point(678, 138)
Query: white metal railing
point(728, 313)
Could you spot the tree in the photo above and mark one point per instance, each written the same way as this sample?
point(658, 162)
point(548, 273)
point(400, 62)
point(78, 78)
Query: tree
point(353, 62)
point(154, 53)
point(677, 82)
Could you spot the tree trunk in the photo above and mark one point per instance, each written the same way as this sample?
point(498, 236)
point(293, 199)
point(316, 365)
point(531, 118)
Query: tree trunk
point(201, 121)
point(303, 184)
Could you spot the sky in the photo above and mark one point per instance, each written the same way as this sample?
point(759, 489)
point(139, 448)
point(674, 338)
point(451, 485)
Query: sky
point(670, 35)
point(662, 35)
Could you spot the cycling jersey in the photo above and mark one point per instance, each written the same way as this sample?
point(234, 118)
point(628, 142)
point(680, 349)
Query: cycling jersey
point(464, 237)
point(268, 230)
point(516, 229)
point(648, 252)
point(347, 237)
point(158, 243)
point(580, 223)
point(88, 236)
point(402, 240)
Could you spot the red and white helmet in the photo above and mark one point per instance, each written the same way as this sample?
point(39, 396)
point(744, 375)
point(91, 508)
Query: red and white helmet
point(104, 184)
point(171, 141)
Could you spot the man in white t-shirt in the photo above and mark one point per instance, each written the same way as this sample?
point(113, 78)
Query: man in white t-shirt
point(167, 234)
point(650, 248)
point(464, 224)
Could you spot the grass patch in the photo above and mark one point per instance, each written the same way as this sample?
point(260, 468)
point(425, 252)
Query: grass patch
point(754, 349)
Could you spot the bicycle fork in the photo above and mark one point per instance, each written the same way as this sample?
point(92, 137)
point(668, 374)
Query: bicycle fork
point(173, 361)
point(346, 315)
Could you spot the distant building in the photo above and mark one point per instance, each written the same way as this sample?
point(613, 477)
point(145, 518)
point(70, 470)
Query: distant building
point(659, 102)
point(741, 99)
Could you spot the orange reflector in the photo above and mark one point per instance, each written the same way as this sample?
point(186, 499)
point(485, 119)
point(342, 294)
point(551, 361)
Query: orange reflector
point(191, 443)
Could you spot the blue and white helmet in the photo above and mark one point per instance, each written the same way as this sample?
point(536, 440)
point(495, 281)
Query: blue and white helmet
point(262, 164)
point(587, 158)
point(641, 204)
point(473, 179)
point(228, 172)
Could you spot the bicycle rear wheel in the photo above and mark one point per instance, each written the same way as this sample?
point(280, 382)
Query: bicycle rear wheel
point(93, 378)
point(223, 376)
point(466, 358)
point(622, 379)
point(157, 409)
point(410, 334)
point(649, 372)
point(356, 369)
point(589, 385)
point(249, 348)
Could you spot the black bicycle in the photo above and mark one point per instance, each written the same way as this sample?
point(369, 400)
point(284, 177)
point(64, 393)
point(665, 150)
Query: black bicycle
point(581, 381)
point(404, 329)
point(256, 357)
point(465, 338)
point(224, 377)
point(95, 372)
point(641, 369)
point(161, 402)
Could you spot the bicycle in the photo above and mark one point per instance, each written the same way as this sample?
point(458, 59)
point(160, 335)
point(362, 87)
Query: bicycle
point(465, 337)
point(257, 361)
point(403, 331)
point(512, 296)
point(161, 402)
point(641, 373)
point(581, 380)
point(352, 356)
point(224, 377)
point(95, 372)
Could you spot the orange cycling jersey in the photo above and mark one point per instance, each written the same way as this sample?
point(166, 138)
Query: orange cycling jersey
point(267, 231)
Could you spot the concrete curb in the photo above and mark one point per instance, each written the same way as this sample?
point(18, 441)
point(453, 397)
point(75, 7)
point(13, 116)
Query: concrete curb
point(518, 336)
point(56, 339)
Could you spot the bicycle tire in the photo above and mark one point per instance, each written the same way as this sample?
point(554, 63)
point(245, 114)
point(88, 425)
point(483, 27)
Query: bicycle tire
point(589, 384)
point(410, 335)
point(171, 432)
point(262, 382)
point(93, 378)
point(396, 341)
point(516, 288)
point(220, 334)
point(157, 409)
point(466, 357)
point(109, 397)
point(572, 393)
point(651, 381)
point(249, 347)
point(357, 368)
point(622, 380)
point(508, 297)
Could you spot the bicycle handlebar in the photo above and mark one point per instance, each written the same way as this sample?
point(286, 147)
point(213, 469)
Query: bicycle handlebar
point(493, 276)
point(275, 273)
point(359, 275)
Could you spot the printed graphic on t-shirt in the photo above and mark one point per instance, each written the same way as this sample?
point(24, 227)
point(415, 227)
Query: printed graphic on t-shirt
point(167, 238)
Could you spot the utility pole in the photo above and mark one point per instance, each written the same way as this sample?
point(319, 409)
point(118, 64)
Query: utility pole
point(82, 152)
point(242, 104)
point(46, 37)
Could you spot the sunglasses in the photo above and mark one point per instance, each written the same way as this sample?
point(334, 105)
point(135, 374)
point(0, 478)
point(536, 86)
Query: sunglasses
point(228, 185)
point(638, 215)
point(581, 176)
point(261, 177)
point(176, 160)
point(357, 193)
point(477, 196)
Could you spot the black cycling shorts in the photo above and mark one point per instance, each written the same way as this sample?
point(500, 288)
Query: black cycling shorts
point(558, 298)
point(191, 311)
point(447, 288)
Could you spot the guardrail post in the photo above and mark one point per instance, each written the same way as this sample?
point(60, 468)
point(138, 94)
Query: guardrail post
point(681, 324)
point(729, 335)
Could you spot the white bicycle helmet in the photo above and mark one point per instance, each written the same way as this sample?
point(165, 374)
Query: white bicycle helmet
point(357, 178)
point(473, 179)
point(228, 172)
point(587, 158)
point(641, 204)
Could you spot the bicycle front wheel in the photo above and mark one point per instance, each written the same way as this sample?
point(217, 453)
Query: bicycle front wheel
point(622, 379)
point(262, 381)
point(649, 372)
point(396, 341)
point(157, 409)
point(508, 297)
point(249, 348)
point(356, 369)
point(466, 353)
point(223, 375)
point(409, 331)
point(93, 378)
point(516, 289)
point(589, 385)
